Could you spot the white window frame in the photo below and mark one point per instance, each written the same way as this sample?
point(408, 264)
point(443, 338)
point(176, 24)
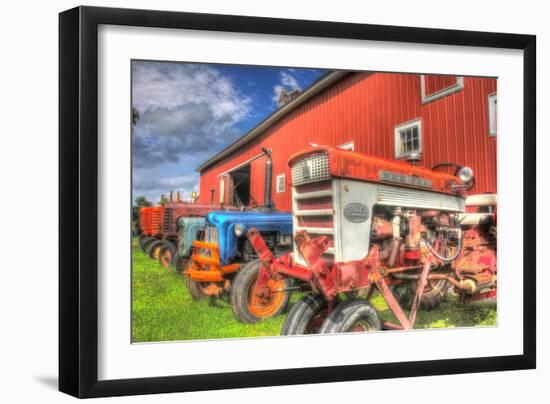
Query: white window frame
point(441, 93)
point(278, 190)
point(493, 128)
point(347, 146)
point(222, 189)
point(397, 136)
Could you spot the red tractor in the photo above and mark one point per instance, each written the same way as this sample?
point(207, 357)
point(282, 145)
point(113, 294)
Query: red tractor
point(161, 226)
point(364, 223)
point(172, 229)
point(150, 224)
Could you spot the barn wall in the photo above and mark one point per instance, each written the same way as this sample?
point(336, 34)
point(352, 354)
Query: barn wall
point(365, 108)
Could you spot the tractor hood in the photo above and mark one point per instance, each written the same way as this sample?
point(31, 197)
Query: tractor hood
point(225, 222)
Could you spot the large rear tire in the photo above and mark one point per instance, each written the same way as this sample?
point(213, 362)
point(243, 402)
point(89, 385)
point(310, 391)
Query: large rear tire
point(306, 316)
point(356, 315)
point(249, 308)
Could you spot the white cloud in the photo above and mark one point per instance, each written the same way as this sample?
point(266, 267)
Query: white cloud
point(289, 81)
point(286, 82)
point(184, 108)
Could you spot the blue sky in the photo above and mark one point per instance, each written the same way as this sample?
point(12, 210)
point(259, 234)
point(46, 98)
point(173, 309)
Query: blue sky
point(189, 112)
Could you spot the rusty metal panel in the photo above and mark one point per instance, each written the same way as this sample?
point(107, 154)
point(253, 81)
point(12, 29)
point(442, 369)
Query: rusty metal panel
point(365, 108)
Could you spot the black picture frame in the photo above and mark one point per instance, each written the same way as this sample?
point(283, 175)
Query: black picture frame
point(78, 195)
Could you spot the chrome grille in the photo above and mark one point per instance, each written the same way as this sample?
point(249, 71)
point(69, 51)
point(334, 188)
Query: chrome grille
point(312, 169)
point(155, 221)
point(317, 208)
point(211, 234)
point(412, 198)
point(167, 220)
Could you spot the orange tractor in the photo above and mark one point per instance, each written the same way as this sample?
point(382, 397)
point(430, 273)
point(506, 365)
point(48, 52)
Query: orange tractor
point(150, 219)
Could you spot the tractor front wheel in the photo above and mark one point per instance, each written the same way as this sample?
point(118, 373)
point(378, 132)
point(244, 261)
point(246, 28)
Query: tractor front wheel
point(181, 264)
point(306, 316)
point(153, 249)
point(250, 307)
point(201, 290)
point(143, 240)
point(195, 289)
point(355, 315)
point(166, 254)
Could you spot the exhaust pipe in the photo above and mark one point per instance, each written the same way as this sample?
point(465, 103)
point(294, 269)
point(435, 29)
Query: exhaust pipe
point(268, 180)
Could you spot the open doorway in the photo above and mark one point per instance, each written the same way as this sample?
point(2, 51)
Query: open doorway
point(240, 180)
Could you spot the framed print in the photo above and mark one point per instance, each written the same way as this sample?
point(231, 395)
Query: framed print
point(251, 201)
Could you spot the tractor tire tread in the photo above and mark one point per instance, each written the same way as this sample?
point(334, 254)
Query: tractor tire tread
point(301, 313)
point(347, 313)
point(150, 248)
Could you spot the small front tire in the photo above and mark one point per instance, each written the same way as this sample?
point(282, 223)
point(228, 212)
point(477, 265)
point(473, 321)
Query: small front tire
point(306, 316)
point(355, 315)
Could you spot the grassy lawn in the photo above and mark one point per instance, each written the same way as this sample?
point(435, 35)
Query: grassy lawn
point(163, 310)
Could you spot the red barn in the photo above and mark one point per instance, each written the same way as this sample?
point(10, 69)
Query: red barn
point(444, 118)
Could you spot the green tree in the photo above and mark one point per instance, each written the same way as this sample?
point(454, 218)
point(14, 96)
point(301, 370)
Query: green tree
point(164, 200)
point(142, 202)
point(135, 117)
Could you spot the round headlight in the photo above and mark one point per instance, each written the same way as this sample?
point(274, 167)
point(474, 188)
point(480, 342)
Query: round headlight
point(466, 174)
point(239, 230)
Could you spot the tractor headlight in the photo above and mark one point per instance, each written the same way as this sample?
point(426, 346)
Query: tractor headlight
point(239, 230)
point(466, 174)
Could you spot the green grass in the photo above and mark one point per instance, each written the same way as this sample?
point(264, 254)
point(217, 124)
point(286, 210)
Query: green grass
point(163, 310)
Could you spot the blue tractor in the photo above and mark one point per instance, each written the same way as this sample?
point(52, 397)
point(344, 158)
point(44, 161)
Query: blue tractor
point(224, 262)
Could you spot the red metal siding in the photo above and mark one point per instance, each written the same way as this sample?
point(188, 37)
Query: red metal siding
point(365, 108)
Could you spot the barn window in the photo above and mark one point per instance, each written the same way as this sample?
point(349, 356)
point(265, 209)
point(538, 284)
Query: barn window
point(281, 183)
point(408, 138)
point(434, 86)
point(347, 146)
point(493, 114)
